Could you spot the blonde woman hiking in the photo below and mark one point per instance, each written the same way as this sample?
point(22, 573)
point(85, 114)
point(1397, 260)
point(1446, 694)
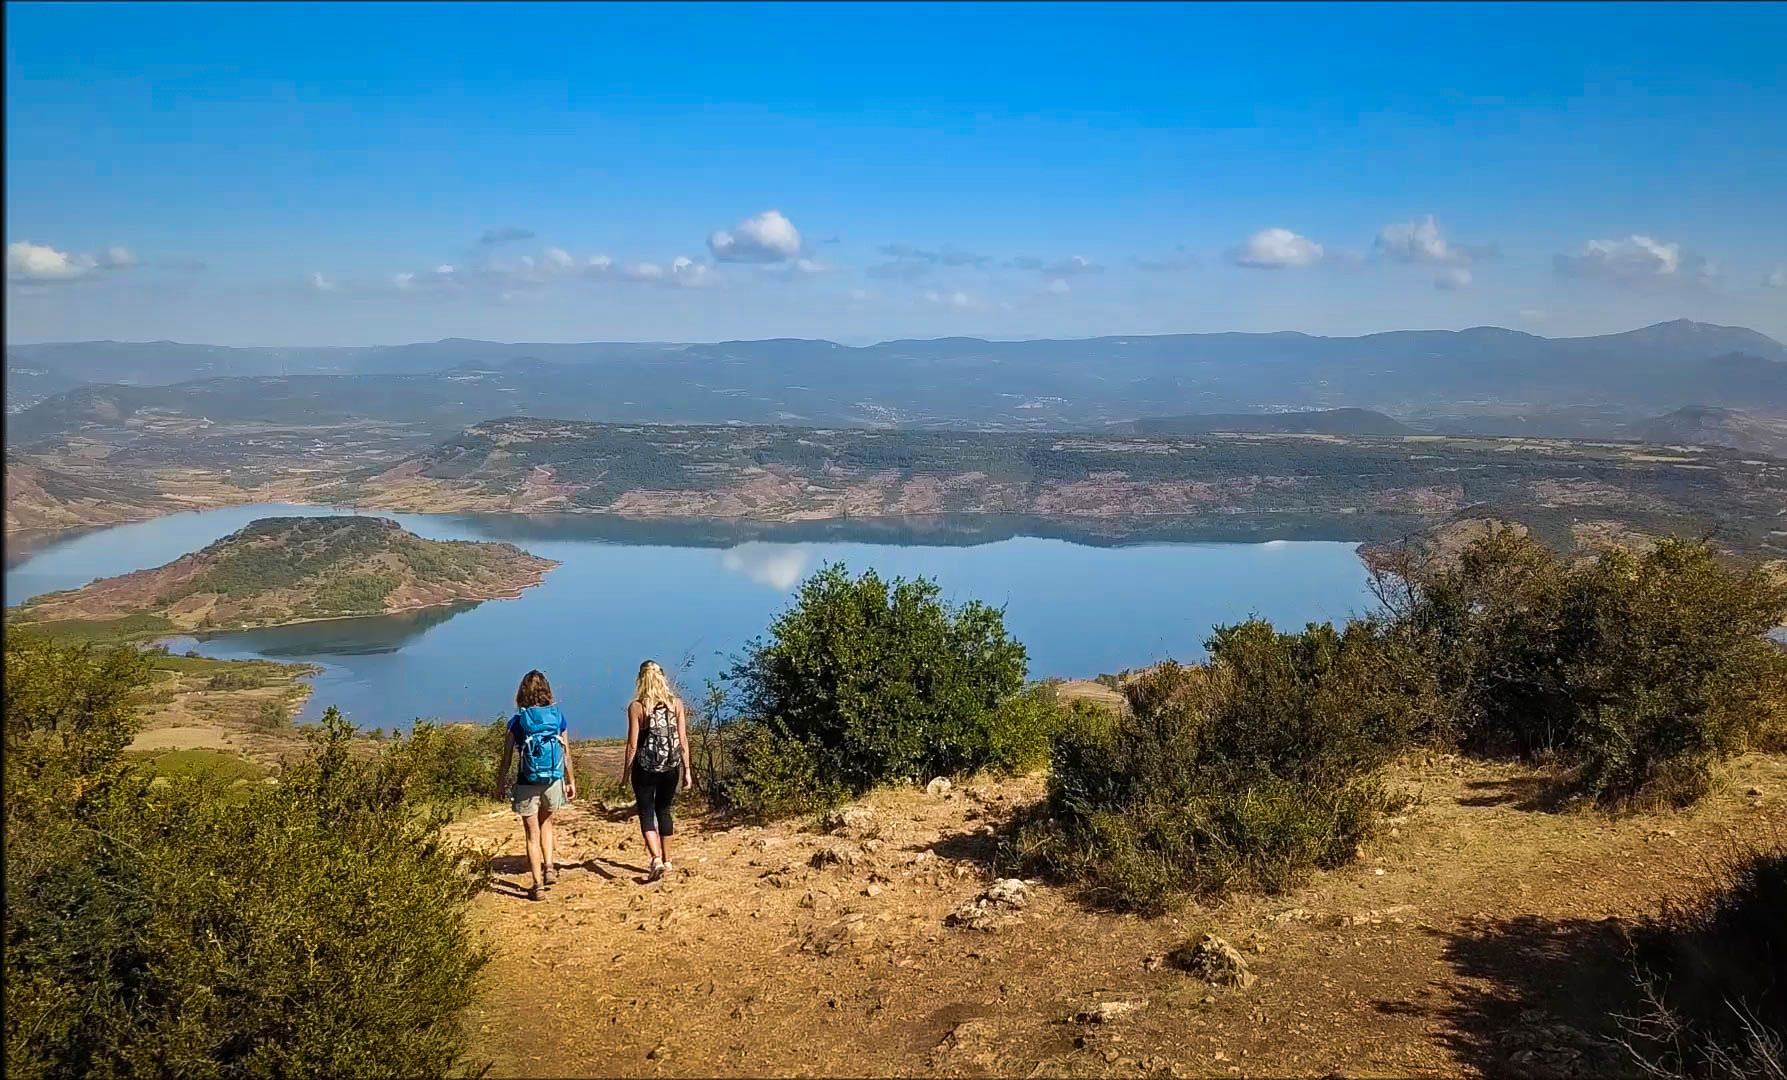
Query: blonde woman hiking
point(657, 760)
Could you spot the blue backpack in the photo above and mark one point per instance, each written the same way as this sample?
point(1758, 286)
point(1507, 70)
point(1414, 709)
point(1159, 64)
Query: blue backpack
point(542, 755)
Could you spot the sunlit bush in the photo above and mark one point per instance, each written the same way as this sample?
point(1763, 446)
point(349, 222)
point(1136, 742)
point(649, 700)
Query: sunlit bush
point(1246, 773)
point(316, 926)
point(865, 681)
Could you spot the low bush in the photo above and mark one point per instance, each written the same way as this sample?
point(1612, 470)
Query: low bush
point(233, 679)
point(762, 773)
point(1639, 671)
point(1245, 773)
point(449, 764)
point(1714, 973)
point(313, 927)
point(865, 681)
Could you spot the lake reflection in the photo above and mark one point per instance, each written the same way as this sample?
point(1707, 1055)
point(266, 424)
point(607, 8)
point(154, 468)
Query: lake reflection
point(623, 593)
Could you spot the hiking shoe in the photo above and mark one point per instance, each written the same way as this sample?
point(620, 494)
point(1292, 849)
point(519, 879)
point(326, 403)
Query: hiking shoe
point(665, 866)
point(535, 892)
point(551, 878)
point(656, 871)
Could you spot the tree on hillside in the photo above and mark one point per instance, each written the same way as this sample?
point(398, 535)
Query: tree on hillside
point(865, 680)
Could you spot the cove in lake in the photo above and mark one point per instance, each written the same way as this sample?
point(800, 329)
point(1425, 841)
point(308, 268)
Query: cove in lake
point(1078, 609)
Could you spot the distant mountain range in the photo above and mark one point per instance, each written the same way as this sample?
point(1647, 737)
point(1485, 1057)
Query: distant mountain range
point(1431, 380)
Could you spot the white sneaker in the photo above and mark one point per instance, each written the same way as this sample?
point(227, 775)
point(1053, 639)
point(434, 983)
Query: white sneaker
point(657, 869)
point(666, 867)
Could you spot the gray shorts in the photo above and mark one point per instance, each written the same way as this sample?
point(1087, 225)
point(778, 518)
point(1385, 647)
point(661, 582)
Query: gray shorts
point(525, 798)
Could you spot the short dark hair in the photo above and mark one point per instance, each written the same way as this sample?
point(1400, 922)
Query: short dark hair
point(534, 690)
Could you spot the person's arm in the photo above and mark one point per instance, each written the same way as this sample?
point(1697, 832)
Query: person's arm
point(682, 740)
point(564, 737)
point(502, 772)
point(626, 768)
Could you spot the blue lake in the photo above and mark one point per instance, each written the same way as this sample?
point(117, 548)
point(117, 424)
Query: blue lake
point(1079, 609)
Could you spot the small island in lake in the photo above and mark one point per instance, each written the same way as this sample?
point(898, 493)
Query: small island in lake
point(296, 569)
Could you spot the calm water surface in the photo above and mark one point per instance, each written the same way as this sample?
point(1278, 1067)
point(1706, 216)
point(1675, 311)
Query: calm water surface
point(1080, 610)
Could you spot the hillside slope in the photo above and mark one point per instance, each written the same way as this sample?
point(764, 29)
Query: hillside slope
point(1731, 428)
point(39, 497)
point(1353, 487)
point(1319, 422)
point(1480, 936)
point(280, 570)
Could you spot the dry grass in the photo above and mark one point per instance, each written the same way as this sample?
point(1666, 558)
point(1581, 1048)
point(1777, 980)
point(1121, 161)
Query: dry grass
point(1481, 936)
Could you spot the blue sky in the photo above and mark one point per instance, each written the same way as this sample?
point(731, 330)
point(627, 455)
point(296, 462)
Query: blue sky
point(359, 173)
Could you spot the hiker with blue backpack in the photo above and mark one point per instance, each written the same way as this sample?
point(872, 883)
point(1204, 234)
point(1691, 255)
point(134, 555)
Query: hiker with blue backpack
point(543, 780)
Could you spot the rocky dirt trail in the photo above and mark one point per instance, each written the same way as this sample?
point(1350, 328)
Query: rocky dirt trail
point(1480, 935)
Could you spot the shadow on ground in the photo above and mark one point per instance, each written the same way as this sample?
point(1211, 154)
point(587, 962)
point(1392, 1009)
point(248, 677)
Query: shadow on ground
point(1539, 794)
point(1535, 997)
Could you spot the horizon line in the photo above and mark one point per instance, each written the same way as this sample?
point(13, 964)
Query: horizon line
point(896, 340)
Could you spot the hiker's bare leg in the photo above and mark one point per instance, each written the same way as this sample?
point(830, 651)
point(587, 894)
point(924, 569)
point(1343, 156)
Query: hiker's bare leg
point(548, 857)
point(654, 844)
point(530, 824)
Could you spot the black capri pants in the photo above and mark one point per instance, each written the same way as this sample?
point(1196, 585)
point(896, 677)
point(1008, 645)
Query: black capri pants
point(653, 794)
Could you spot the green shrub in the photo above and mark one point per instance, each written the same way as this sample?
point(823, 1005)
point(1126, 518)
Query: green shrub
point(1640, 671)
point(875, 681)
point(1714, 972)
point(764, 773)
point(271, 715)
point(313, 927)
point(1242, 774)
point(449, 764)
point(233, 679)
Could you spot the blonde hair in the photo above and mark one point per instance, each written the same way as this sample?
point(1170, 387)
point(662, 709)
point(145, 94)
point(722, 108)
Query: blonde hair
point(653, 688)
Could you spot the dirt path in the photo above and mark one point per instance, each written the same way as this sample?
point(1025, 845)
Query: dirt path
point(1481, 935)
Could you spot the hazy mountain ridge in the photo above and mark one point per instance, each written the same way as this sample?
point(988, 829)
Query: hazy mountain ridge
point(993, 385)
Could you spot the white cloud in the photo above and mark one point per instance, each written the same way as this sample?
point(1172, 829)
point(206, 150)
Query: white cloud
point(26, 261)
point(598, 265)
point(1532, 315)
point(688, 273)
point(1776, 280)
point(1452, 278)
point(1635, 260)
point(1421, 242)
point(558, 258)
point(761, 238)
point(117, 258)
point(1057, 287)
point(957, 299)
point(810, 266)
point(1275, 249)
point(779, 566)
point(682, 271)
point(320, 283)
point(909, 263)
